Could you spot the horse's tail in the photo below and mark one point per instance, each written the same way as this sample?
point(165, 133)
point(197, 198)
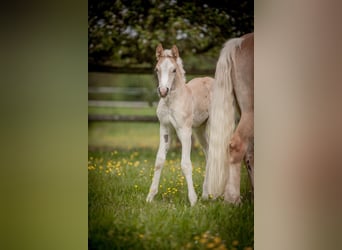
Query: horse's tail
point(221, 119)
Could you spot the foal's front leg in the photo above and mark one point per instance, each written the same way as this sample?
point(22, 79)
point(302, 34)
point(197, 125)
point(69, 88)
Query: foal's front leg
point(164, 146)
point(185, 138)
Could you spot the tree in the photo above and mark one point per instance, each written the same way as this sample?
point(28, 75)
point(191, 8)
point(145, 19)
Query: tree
point(127, 32)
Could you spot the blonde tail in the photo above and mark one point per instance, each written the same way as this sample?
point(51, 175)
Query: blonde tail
point(221, 119)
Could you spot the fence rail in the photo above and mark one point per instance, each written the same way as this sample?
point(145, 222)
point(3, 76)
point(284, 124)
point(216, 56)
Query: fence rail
point(118, 104)
point(117, 90)
point(122, 118)
point(126, 91)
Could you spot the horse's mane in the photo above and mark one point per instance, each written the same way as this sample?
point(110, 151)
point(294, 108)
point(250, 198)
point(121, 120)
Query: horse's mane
point(168, 53)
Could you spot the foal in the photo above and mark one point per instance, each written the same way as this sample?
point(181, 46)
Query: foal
point(183, 107)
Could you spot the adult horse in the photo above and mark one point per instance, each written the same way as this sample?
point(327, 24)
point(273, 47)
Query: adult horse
point(183, 107)
point(233, 92)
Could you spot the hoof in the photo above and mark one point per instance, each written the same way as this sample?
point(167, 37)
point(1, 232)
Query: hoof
point(193, 200)
point(233, 200)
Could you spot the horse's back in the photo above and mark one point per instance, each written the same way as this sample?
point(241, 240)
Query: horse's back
point(201, 88)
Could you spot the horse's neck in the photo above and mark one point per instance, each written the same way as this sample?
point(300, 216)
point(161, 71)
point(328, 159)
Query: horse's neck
point(178, 85)
point(177, 90)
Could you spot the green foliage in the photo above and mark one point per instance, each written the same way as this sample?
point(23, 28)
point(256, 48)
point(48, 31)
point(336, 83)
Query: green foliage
point(127, 32)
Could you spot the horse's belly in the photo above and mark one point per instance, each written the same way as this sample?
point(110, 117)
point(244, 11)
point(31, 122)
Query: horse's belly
point(199, 119)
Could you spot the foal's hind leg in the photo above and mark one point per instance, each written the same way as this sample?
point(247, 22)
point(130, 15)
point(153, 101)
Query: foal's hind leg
point(164, 146)
point(184, 135)
point(202, 138)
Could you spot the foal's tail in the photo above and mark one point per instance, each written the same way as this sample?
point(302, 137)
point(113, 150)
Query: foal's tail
point(221, 119)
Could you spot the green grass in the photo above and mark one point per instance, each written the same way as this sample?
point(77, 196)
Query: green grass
point(119, 181)
point(120, 169)
point(123, 134)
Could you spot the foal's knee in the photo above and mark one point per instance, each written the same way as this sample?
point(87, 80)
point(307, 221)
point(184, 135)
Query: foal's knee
point(186, 167)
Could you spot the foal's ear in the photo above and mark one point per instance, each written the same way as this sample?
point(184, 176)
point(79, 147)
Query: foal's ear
point(174, 51)
point(159, 51)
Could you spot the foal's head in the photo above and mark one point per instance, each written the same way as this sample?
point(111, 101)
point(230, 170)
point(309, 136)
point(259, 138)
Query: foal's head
point(169, 69)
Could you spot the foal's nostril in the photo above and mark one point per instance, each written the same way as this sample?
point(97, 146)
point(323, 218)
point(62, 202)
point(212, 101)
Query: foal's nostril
point(163, 91)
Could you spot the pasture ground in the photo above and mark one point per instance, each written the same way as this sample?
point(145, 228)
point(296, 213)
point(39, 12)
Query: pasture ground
point(120, 169)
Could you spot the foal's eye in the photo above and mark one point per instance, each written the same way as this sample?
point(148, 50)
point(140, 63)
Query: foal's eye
point(174, 71)
point(156, 70)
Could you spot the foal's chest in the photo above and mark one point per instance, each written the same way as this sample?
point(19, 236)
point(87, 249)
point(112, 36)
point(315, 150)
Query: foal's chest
point(168, 115)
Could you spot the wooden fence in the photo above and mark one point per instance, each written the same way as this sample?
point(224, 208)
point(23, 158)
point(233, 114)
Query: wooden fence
point(125, 91)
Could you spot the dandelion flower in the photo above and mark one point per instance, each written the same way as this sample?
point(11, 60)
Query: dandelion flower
point(217, 240)
point(189, 245)
point(222, 247)
point(210, 245)
point(203, 240)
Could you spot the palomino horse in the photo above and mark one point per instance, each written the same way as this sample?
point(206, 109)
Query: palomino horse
point(234, 84)
point(183, 107)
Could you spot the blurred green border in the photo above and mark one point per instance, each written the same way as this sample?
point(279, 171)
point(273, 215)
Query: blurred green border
point(44, 110)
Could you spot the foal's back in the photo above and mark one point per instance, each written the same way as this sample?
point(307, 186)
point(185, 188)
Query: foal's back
point(201, 95)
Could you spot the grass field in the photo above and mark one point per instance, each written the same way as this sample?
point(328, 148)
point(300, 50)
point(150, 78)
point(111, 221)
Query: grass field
point(119, 177)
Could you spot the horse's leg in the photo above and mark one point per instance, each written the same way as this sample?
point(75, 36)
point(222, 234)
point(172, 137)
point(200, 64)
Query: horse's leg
point(164, 145)
point(202, 138)
point(232, 190)
point(249, 161)
point(184, 135)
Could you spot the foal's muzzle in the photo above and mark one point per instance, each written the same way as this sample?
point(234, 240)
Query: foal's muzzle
point(163, 91)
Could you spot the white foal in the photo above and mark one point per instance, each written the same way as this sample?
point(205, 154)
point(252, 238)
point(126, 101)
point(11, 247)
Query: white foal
point(183, 107)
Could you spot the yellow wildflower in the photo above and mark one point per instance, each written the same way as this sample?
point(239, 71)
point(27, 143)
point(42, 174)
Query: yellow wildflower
point(222, 247)
point(210, 245)
point(217, 240)
point(203, 240)
point(189, 245)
